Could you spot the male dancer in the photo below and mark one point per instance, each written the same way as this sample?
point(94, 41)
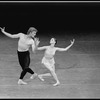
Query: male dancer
point(24, 43)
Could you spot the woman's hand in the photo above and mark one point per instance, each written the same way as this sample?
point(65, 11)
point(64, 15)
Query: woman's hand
point(72, 42)
point(2, 29)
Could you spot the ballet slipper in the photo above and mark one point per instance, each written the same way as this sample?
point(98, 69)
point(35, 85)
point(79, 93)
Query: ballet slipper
point(20, 82)
point(56, 84)
point(33, 76)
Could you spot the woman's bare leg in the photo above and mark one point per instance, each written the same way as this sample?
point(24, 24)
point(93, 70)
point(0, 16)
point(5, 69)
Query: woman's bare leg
point(52, 70)
point(46, 74)
point(55, 77)
point(41, 76)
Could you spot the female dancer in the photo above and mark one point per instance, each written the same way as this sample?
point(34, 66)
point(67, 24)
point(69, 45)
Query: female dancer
point(48, 59)
point(24, 43)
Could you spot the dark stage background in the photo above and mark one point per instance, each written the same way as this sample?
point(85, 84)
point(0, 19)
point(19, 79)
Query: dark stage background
point(60, 19)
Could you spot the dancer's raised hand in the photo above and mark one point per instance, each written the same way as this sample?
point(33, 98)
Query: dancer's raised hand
point(2, 29)
point(72, 42)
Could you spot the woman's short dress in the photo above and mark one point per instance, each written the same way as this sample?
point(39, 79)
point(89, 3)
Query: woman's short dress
point(49, 62)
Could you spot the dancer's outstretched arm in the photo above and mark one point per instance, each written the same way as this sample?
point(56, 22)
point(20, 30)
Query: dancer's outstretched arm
point(8, 34)
point(42, 48)
point(65, 49)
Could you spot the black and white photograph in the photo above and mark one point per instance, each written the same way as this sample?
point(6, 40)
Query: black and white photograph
point(49, 49)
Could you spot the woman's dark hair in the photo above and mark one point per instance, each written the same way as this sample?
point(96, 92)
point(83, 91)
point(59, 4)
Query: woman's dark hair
point(31, 29)
point(55, 40)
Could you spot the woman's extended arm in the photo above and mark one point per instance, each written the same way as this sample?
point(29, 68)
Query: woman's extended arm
point(8, 34)
point(65, 49)
point(42, 48)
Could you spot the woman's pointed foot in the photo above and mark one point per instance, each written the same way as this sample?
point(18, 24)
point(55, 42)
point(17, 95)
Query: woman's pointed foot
point(56, 84)
point(40, 77)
